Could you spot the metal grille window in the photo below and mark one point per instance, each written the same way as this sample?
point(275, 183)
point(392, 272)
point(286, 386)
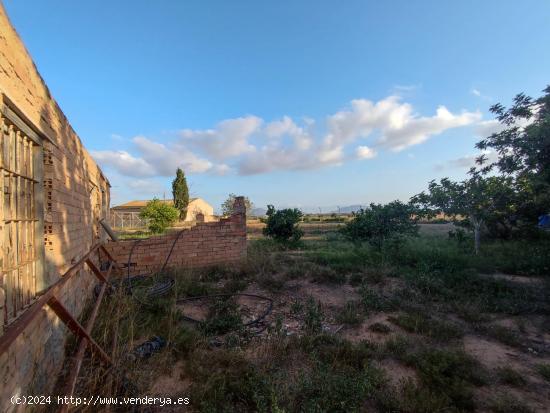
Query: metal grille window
point(20, 218)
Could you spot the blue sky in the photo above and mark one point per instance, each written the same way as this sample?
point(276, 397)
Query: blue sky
point(302, 103)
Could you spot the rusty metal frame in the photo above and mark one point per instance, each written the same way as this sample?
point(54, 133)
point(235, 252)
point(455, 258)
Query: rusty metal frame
point(20, 324)
point(49, 298)
point(84, 341)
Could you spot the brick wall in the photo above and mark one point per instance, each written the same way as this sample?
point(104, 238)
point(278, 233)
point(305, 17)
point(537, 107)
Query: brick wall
point(206, 243)
point(76, 196)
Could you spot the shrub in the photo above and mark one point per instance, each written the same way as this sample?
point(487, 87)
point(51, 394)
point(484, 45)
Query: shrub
point(421, 324)
point(450, 374)
point(328, 389)
point(159, 215)
point(506, 403)
point(507, 375)
point(374, 301)
point(412, 397)
point(223, 317)
point(544, 371)
point(379, 223)
point(351, 314)
point(313, 316)
point(282, 225)
point(327, 275)
point(224, 381)
point(379, 328)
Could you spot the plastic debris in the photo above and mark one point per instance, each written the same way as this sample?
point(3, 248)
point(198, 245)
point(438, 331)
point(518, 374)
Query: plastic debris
point(150, 347)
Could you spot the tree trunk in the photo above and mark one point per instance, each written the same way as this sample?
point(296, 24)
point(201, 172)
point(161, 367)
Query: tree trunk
point(477, 233)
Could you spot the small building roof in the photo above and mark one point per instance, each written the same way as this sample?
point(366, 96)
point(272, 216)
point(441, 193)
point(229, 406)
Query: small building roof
point(143, 203)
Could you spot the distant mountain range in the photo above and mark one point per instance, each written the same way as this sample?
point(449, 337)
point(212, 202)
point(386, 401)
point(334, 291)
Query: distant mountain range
point(349, 209)
point(259, 212)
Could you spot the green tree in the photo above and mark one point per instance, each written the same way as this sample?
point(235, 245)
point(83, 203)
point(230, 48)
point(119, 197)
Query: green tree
point(159, 214)
point(477, 199)
point(378, 223)
point(523, 148)
point(282, 224)
point(180, 192)
point(227, 206)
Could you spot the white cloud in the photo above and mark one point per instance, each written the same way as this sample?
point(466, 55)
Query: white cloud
point(467, 161)
point(167, 159)
point(273, 159)
point(124, 163)
point(286, 126)
point(156, 159)
point(414, 130)
point(488, 127)
point(146, 186)
point(364, 152)
point(395, 121)
point(228, 139)
point(250, 145)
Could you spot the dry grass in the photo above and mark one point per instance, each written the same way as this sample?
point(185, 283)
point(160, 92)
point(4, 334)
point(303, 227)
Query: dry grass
point(347, 323)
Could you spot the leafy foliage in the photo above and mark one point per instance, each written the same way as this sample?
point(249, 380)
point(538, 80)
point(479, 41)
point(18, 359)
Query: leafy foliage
point(180, 192)
point(227, 206)
point(477, 199)
point(378, 223)
point(282, 224)
point(523, 149)
point(223, 317)
point(159, 214)
point(313, 316)
point(544, 371)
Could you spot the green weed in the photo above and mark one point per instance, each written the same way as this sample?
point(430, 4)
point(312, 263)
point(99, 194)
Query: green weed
point(351, 314)
point(313, 316)
point(507, 375)
point(506, 403)
point(544, 371)
point(222, 318)
point(379, 328)
point(431, 327)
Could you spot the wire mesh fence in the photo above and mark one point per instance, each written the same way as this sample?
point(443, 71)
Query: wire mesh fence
point(127, 220)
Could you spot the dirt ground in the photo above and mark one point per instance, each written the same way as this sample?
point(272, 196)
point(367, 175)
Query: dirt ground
point(424, 344)
point(492, 354)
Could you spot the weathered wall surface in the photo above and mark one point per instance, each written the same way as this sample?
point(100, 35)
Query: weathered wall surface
point(199, 206)
point(76, 196)
point(206, 243)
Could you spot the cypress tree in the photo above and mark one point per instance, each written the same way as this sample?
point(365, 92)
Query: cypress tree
point(180, 192)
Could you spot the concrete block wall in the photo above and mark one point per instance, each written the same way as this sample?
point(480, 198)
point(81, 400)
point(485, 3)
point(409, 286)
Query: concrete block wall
point(76, 196)
point(205, 244)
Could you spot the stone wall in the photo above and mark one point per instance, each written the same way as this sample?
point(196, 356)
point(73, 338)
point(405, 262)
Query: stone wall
point(75, 196)
point(206, 243)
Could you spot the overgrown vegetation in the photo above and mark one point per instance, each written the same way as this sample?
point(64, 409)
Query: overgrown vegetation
point(373, 318)
point(544, 371)
point(471, 203)
point(159, 215)
point(377, 224)
point(282, 224)
point(229, 203)
point(315, 367)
